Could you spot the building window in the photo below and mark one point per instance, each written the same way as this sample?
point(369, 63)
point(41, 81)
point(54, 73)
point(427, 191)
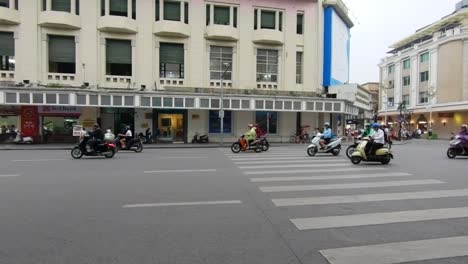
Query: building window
point(118, 8)
point(299, 67)
point(423, 98)
point(391, 68)
point(424, 76)
point(7, 51)
point(62, 54)
point(171, 57)
point(134, 9)
point(235, 16)
point(61, 5)
point(5, 3)
point(255, 19)
point(268, 19)
point(172, 10)
point(157, 6)
point(406, 100)
point(186, 12)
point(118, 57)
point(77, 7)
point(103, 7)
point(406, 80)
point(391, 84)
point(267, 121)
point(406, 64)
point(267, 65)
point(424, 57)
point(222, 15)
point(390, 101)
point(215, 122)
point(300, 24)
point(219, 56)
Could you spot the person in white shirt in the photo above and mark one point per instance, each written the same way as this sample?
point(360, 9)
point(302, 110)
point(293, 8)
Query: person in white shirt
point(378, 139)
point(125, 137)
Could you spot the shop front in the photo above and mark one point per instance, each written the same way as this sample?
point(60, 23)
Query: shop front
point(116, 119)
point(9, 121)
point(57, 123)
point(170, 125)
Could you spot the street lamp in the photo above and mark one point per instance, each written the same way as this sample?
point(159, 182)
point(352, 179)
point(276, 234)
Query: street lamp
point(221, 112)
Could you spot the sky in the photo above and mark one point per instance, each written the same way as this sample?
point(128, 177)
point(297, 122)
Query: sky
point(380, 23)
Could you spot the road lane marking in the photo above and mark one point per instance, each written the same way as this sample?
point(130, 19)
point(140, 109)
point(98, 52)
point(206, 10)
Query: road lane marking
point(268, 156)
point(313, 178)
point(401, 252)
point(370, 197)
point(290, 161)
point(341, 186)
point(282, 158)
point(38, 160)
point(379, 218)
point(181, 204)
point(181, 157)
point(9, 175)
point(310, 171)
point(175, 171)
point(293, 166)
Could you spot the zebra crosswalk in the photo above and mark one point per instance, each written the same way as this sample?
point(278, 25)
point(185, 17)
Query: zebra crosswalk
point(290, 179)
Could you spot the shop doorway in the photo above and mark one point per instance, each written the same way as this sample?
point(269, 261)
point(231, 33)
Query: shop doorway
point(171, 126)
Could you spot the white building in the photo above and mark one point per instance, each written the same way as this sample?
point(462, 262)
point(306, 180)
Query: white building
point(158, 64)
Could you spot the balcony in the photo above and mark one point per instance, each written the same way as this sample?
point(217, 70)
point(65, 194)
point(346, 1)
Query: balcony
point(9, 16)
point(61, 78)
point(117, 24)
point(222, 32)
point(7, 76)
point(117, 81)
point(268, 36)
point(167, 28)
point(171, 82)
point(56, 19)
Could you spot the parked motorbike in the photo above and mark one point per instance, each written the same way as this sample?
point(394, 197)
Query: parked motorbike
point(134, 144)
point(106, 149)
point(458, 147)
point(242, 145)
point(333, 147)
point(21, 139)
point(383, 155)
point(197, 138)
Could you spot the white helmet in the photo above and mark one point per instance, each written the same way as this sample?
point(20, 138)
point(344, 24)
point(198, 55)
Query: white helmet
point(326, 124)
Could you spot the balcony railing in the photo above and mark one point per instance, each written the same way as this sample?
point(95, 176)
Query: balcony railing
point(171, 82)
point(7, 75)
point(119, 81)
point(267, 85)
point(61, 78)
point(217, 83)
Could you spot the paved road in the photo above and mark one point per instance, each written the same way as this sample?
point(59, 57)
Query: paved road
point(194, 206)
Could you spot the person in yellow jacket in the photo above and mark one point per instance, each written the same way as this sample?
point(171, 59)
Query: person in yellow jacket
point(251, 135)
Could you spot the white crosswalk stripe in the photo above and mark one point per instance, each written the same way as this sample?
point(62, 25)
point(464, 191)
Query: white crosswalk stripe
point(292, 166)
point(329, 177)
point(271, 172)
point(290, 161)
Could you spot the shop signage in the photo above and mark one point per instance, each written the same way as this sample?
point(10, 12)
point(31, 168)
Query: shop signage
point(77, 130)
point(59, 110)
point(446, 115)
point(29, 121)
point(9, 110)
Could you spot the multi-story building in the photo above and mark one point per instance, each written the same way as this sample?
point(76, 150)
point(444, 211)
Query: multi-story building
point(374, 89)
point(161, 64)
point(428, 74)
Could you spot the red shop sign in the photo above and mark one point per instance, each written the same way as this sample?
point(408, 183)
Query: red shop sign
point(29, 121)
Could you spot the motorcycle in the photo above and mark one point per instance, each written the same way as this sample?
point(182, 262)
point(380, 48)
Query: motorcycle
point(134, 144)
point(21, 139)
point(352, 148)
point(197, 138)
point(264, 142)
point(333, 147)
point(458, 147)
point(383, 155)
point(242, 145)
point(106, 149)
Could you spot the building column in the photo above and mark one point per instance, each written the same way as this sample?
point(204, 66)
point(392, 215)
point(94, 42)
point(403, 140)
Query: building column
point(73, 7)
point(48, 5)
point(161, 10)
point(414, 81)
point(12, 4)
point(44, 57)
point(182, 12)
point(134, 55)
point(433, 64)
point(102, 76)
point(259, 18)
point(277, 21)
point(129, 8)
point(231, 16)
point(211, 14)
point(107, 7)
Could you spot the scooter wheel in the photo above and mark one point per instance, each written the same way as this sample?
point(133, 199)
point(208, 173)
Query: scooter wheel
point(336, 152)
point(312, 151)
point(235, 147)
point(139, 147)
point(356, 160)
point(76, 153)
point(451, 154)
point(110, 154)
point(350, 150)
point(386, 160)
point(258, 148)
point(265, 147)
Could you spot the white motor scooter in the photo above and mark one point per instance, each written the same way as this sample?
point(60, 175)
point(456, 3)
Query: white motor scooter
point(334, 147)
point(22, 140)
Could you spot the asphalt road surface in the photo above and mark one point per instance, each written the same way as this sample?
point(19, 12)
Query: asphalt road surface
point(210, 206)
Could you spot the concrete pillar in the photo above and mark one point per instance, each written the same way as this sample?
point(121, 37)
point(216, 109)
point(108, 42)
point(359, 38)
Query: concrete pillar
point(107, 7)
point(161, 9)
point(73, 7)
point(231, 16)
point(211, 14)
point(259, 20)
point(277, 21)
point(12, 4)
point(182, 12)
point(129, 8)
point(48, 5)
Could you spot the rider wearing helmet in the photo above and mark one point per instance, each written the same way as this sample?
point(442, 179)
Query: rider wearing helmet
point(124, 138)
point(327, 135)
point(378, 139)
point(251, 135)
point(464, 132)
point(368, 131)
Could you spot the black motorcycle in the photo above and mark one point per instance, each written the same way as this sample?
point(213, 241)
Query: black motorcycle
point(134, 144)
point(242, 145)
point(265, 144)
point(197, 138)
point(106, 149)
point(458, 147)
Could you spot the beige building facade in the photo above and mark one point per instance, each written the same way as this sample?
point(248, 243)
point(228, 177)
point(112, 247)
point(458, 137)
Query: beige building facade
point(428, 74)
point(158, 64)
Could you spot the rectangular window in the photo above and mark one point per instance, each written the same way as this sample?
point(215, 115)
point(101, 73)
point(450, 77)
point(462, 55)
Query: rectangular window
point(5, 3)
point(215, 122)
point(424, 57)
point(255, 18)
point(406, 80)
point(17, 4)
point(62, 54)
point(267, 65)
point(221, 15)
point(267, 121)
point(391, 69)
point(171, 57)
point(207, 14)
point(118, 8)
point(268, 19)
point(407, 64)
point(103, 7)
point(157, 10)
point(118, 57)
point(134, 9)
point(219, 56)
point(7, 51)
point(77, 7)
point(235, 17)
point(406, 100)
point(171, 10)
point(424, 76)
point(280, 21)
point(390, 101)
point(61, 5)
point(299, 67)
point(300, 23)
point(391, 84)
point(44, 5)
point(423, 98)
point(186, 12)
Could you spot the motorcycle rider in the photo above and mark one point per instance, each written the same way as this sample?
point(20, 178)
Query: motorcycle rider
point(96, 136)
point(378, 139)
point(327, 136)
point(125, 137)
point(368, 131)
point(251, 135)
